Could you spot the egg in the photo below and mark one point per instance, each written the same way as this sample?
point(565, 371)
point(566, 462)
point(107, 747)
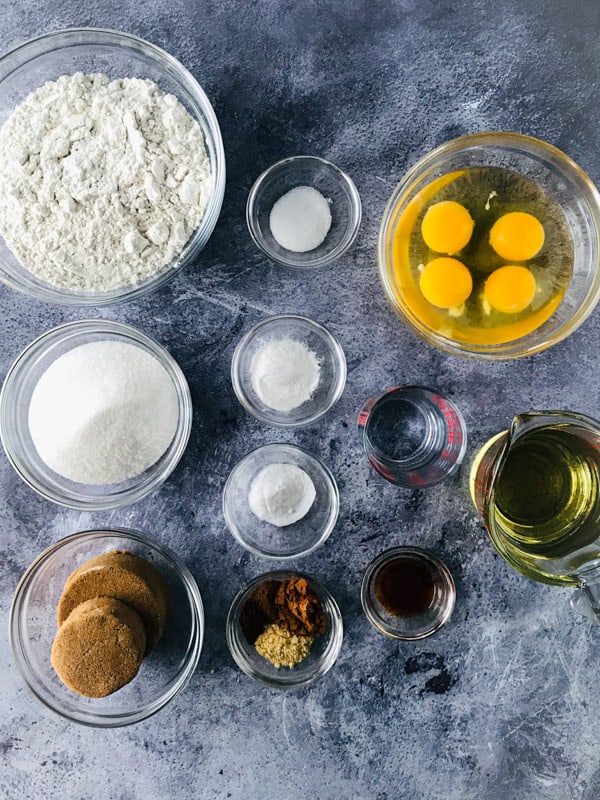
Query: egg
point(510, 289)
point(445, 282)
point(447, 227)
point(517, 236)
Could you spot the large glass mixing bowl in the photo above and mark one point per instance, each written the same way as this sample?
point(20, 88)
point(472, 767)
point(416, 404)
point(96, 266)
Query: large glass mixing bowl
point(116, 55)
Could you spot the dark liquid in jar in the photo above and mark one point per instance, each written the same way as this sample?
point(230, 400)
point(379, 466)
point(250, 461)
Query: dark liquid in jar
point(405, 586)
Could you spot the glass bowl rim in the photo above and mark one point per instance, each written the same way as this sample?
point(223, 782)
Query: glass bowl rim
point(196, 607)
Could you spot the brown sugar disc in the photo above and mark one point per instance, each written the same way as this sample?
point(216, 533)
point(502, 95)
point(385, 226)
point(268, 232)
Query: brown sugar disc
point(129, 578)
point(99, 647)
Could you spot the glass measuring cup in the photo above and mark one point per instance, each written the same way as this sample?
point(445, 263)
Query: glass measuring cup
point(537, 487)
point(413, 436)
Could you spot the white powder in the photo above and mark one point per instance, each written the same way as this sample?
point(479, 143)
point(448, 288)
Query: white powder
point(284, 374)
point(103, 412)
point(103, 182)
point(281, 494)
point(301, 219)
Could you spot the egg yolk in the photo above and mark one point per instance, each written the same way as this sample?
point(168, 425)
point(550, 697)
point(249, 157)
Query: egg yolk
point(517, 236)
point(445, 282)
point(447, 227)
point(510, 289)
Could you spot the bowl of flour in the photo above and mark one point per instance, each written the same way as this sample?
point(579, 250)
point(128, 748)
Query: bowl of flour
point(111, 163)
point(94, 415)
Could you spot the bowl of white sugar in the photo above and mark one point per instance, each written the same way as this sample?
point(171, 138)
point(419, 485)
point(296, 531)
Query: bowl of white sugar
point(111, 165)
point(94, 415)
point(303, 212)
point(280, 502)
point(288, 370)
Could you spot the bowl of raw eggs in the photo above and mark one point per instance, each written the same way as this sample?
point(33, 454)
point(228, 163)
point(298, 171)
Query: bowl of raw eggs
point(489, 246)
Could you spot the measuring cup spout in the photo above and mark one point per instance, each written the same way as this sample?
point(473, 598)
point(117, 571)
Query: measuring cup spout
point(586, 599)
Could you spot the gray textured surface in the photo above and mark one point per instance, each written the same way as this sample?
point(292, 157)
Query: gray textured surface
point(503, 703)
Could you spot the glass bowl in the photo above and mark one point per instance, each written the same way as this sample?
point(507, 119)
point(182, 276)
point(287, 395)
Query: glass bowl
point(15, 399)
point(323, 653)
point(335, 186)
point(163, 673)
point(289, 541)
point(558, 177)
point(421, 616)
point(117, 55)
point(329, 353)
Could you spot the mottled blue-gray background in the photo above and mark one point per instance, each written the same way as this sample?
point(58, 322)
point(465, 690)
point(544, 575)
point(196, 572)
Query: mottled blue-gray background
point(504, 702)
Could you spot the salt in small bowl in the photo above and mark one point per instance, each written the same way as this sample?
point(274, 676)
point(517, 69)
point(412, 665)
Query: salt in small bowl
point(331, 182)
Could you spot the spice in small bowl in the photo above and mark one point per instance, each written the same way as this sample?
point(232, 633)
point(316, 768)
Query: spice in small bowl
point(284, 629)
point(280, 502)
point(288, 371)
point(407, 593)
point(303, 212)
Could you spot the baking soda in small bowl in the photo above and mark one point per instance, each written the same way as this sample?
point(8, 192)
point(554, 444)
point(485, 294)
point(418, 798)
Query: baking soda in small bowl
point(288, 370)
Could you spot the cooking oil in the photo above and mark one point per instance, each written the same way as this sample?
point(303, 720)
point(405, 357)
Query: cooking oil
point(544, 515)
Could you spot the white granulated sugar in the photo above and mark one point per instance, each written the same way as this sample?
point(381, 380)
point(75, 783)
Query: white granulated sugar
point(103, 182)
point(300, 220)
point(281, 494)
point(284, 374)
point(103, 412)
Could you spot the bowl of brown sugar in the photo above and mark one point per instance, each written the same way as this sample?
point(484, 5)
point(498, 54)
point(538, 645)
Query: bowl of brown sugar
point(284, 629)
point(106, 627)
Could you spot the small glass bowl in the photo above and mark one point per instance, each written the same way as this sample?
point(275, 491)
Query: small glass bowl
point(319, 340)
point(337, 188)
point(290, 541)
point(15, 399)
point(418, 625)
point(558, 176)
point(323, 653)
point(164, 672)
point(117, 55)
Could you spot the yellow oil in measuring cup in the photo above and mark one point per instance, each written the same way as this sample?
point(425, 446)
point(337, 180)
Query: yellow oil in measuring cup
point(537, 487)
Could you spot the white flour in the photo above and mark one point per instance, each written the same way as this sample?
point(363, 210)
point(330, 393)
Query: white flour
point(103, 182)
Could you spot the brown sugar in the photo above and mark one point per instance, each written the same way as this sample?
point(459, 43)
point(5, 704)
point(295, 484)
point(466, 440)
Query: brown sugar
point(99, 647)
point(125, 576)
